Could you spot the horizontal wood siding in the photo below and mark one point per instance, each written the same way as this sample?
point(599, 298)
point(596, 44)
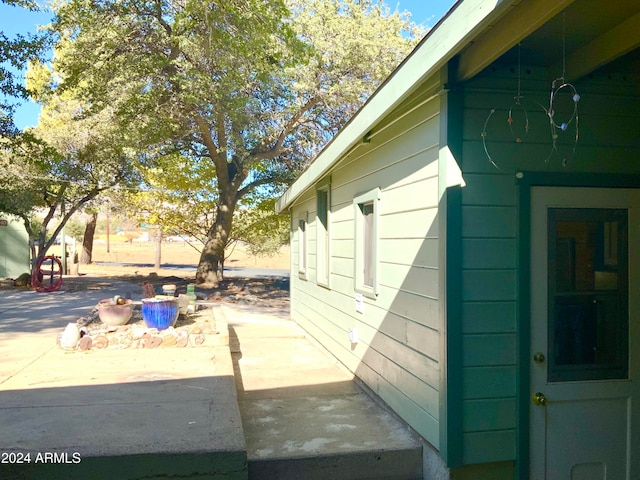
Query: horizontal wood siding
point(399, 340)
point(608, 143)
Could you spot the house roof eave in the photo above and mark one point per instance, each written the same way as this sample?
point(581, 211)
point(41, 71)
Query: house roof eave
point(464, 21)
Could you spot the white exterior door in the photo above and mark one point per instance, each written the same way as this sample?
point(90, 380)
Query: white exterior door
point(585, 334)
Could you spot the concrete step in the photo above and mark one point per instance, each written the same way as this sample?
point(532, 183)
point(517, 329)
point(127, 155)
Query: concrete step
point(382, 465)
point(333, 431)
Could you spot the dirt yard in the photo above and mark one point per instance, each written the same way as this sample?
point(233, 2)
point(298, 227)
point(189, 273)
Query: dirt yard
point(134, 260)
point(180, 254)
point(139, 258)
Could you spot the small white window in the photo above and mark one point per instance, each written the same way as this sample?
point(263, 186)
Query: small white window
point(366, 242)
point(323, 254)
point(302, 246)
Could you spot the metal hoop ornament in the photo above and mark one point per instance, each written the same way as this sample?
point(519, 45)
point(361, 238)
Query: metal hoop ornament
point(510, 120)
point(563, 126)
point(47, 277)
point(554, 93)
point(483, 134)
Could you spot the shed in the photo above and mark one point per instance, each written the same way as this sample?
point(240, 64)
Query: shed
point(14, 247)
point(468, 244)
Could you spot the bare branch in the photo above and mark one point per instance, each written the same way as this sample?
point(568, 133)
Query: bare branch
point(275, 150)
point(256, 183)
point(158, 16)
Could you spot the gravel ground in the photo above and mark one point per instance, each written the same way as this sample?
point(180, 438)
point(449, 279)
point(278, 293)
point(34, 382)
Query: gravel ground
point(260, 291)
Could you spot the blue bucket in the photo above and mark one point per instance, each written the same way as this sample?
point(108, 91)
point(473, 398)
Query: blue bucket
point(160, 313)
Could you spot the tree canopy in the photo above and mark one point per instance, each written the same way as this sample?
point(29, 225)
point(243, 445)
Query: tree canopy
point(238, 95)
point(15, 52)
point(64, 162)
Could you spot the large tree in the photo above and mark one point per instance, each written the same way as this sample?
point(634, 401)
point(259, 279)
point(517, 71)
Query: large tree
point(63, 163)
point(244, 92)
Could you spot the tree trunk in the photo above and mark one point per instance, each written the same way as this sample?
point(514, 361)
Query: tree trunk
point(87, 241)
point(210, 267)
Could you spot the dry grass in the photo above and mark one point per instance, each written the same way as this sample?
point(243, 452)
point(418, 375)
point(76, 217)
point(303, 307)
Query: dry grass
point(136, 255)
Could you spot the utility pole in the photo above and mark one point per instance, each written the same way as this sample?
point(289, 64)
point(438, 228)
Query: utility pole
point(63, 242)
point(108, 247)
point(158, 248)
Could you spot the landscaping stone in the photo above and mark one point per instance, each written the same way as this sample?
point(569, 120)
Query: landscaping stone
point(169, 340)
point(182, 339)
point(191, 330)
point(85, 343)
point(100, 341)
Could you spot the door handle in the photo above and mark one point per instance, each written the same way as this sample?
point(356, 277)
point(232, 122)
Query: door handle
point(539, 399)
point(539, 357)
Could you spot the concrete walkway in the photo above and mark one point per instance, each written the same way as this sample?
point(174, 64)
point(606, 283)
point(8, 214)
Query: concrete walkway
point(110, 414)
point(303, 415)
point(279, 407)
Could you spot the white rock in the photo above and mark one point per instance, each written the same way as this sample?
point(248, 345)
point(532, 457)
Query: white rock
point(70, 336)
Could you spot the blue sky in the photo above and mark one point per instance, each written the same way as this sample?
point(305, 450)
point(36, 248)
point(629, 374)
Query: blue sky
point(17, 20)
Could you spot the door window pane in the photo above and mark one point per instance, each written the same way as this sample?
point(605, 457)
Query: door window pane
point(588, 294)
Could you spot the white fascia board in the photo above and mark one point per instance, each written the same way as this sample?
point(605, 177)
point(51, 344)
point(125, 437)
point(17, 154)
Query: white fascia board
point(445, 40)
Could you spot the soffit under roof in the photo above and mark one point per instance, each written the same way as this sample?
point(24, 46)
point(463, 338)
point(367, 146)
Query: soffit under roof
point(583, 36)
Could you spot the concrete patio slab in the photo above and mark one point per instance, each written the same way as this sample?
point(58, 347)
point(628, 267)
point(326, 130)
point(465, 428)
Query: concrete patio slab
point(125, 414)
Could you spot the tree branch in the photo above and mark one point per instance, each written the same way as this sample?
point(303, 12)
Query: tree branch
point(256, 183)
point(221, 133)
point(217, 152)
point(52, 208)
point(207, 140)
point(274, 151)
point(158, 15)
point(88, 197)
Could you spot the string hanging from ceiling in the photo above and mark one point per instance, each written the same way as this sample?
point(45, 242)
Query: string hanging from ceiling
point(520, 132)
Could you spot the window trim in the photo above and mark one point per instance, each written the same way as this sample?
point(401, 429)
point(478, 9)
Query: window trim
point(323, 234)
point(371, 197)
point(303, 245)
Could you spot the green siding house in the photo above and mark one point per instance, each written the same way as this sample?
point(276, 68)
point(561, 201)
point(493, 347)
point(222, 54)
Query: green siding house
point(469, 244)
point(14, 247)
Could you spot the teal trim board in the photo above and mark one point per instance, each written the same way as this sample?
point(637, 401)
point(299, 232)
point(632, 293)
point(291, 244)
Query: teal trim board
point(454, 438)
point(595, 180)
point(523, 328)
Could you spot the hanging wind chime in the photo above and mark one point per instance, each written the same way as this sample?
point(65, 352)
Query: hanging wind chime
point(518, 105)
point(558, 86)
